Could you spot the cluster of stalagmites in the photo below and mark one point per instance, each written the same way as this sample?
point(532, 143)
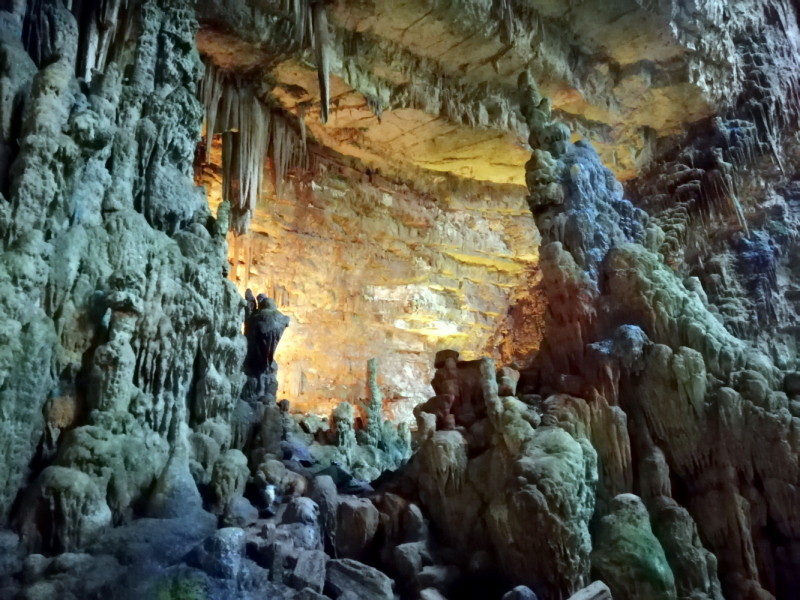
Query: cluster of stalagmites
point(700, 425)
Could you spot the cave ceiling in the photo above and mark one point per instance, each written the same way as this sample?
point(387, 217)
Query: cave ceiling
point(432, 84)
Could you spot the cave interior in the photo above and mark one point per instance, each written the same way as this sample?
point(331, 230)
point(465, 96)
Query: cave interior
point(399, 299)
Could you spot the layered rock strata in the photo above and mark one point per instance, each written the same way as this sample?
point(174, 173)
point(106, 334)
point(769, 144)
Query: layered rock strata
point(366, 267)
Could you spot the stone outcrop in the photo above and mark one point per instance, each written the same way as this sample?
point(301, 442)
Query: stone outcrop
point(623, 330)
point(115, 305)
point(528, 497)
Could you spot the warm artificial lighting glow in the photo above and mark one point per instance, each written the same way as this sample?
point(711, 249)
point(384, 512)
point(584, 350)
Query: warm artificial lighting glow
point(385, 272)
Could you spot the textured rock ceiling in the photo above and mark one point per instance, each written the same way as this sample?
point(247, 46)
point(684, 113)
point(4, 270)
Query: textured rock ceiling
point(433, 83)
point(421, 88)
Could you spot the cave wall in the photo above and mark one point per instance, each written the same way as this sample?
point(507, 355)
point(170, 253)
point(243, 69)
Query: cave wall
point(120, 329)
point(368, 267)
point(653, 441)
point(707, 385)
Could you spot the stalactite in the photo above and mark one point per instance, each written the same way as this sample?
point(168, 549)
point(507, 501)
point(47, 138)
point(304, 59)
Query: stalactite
point(253, 141)
point(250, 129)
point(211, 94)
point(300, 8)
point(375, 105)
point(505, 14)
point(103, 23)
point(288, 151)
point(322, 51)
point(302, 116)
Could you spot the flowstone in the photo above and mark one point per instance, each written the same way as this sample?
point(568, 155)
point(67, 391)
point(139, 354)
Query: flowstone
point(115, 308)
point(632, 346)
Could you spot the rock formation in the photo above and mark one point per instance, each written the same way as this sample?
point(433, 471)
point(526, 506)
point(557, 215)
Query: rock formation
point(585, 389)
point(263, 327)
point(115, 302)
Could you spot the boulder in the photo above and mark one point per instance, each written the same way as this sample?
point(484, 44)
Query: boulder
point(271, 472)
point(346, 576)
point(302, 510)
point(302, 535)
point(431, 594)
point(156, 541)
point(323, 492)
point(441, 577)
point(309, 572)
point(222, 554)
point(597, 591)
point(294, 484)
point(415, 527)
point(240, 513)
point(280, 557)
point(409, 559)
point(71, 575)
point(286, 483)
point(356, 525)
point(34, 567)
point(521, 592)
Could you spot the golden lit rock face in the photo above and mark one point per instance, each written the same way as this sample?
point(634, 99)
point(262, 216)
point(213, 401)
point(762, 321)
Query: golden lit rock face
point(378, 269)
point(427, 89)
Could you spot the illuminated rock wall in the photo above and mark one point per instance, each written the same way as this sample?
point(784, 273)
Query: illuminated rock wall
point(369, 268)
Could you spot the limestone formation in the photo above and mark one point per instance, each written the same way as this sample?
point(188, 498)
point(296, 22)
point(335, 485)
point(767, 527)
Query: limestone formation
point(228, 479)
point(666, 339)
point(65, 511)
point(343, 419)
point(627, 555)
point(373, 430)
point(568, 234)
point(263, 328)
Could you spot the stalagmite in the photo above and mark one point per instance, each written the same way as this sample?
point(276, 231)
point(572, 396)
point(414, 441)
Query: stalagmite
point(374, 408)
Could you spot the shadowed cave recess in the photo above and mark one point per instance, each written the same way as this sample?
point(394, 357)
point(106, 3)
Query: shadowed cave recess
point(399, 299)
